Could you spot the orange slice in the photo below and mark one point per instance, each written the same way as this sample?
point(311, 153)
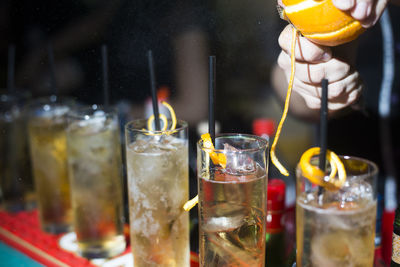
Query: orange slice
point(321, 22)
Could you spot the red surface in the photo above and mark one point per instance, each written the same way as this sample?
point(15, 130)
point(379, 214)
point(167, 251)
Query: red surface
point(22, 231)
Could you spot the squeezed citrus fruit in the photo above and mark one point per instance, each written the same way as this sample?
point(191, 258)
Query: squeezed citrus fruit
point(321, 22)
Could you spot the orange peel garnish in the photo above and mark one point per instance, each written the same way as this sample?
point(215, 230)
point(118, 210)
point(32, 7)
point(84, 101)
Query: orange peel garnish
point(217, 158)
point(317, 176)
point(191, 203)
point(274, 159)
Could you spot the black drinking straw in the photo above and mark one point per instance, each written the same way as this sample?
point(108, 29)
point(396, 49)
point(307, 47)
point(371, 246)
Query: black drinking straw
point(104, 63)
point(211, 98)
point(153, 90)
point(11, 68)
point(323, 128)
point(50, 54)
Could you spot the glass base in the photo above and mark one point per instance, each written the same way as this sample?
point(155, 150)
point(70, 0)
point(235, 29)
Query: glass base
point(92, 250)
point(14, 206)
point(57, 228)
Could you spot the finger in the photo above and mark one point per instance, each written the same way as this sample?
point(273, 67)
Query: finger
point(314, 102)
point(342, 87)
point(362, 9)
point(346, 101)
point(305, 50)
point(344, 5)
point(336, 90)
point(307, 92)
point(377, 10)
point(333, 70)
point(340, 93)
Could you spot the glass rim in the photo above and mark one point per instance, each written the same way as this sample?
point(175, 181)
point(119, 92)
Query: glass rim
point(264, 142)
point(130, 127)
point(86, 112)
point(373, 172)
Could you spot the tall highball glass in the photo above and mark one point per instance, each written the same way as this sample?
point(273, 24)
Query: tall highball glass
point(95, 173)
point(232, 201)
point(157, 165)
point(48, 148)
point(337, 228)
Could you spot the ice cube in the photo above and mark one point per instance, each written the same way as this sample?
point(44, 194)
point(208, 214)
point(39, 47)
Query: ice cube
point(139, 146)
point(238, 163)
point(357, 191)
point(94, 124)
point(224, 223)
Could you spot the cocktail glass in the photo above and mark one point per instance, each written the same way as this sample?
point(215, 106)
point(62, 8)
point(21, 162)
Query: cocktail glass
point(157, 166)
point(16, 184)
point(232, 202)
point(48, 148)
point(95, 173)
point(337, 228)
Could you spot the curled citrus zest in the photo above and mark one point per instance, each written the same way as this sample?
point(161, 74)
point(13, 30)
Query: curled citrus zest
point(217, 158)
point(274, 159)
point(172, 113)
point(163, 119)
point(317, 176)
point(191, 203)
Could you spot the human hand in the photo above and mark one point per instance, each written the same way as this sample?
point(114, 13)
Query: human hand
point(314, 63)
point(366, 11)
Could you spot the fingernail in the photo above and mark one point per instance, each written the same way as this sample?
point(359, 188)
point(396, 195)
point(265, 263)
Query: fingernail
point(369, 10)
point(360, 12)
point(326, 56)
point(343, 4)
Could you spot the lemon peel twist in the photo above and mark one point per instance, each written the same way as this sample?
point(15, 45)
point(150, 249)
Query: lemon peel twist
point(162, 117)
point(217, 159)
point(164, 120)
